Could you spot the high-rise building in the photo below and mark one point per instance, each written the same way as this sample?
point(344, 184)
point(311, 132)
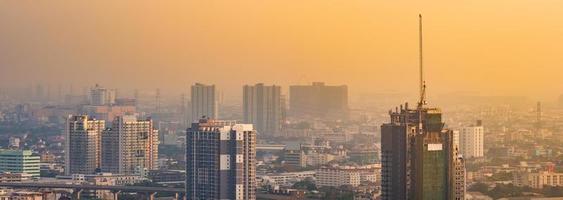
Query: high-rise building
point(19, 161)
point(130, 146)
point(319, 101)
point(419, 158)
point(221, 160)
point(262, 107)
point(82, 144)
point(204, 102)
point(471, 141)
point(100, 96)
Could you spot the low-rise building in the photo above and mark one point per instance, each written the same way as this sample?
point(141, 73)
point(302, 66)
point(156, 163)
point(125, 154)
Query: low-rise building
point(284, 179)
point(8, 177)
point(538, 179)
point(294, 156)
point(20, 195)
point(336, 176)
point(158, 176)
point(19, 161)
point(104, 179)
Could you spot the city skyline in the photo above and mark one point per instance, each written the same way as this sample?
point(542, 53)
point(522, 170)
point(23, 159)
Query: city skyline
point(281, 100)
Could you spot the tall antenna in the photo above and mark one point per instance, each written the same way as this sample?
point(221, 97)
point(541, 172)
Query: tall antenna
point(422, 84)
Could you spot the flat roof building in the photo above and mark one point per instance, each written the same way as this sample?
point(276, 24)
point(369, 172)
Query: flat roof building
point(221, 160)
point(19, 161)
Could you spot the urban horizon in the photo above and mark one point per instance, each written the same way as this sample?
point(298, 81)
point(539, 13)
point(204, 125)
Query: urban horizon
point(273, 101)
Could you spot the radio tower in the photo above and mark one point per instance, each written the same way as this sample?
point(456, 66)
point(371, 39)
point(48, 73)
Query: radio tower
point(422, 84)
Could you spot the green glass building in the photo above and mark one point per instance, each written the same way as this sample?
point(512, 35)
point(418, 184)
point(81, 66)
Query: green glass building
point(19, 161)
point(419, 158)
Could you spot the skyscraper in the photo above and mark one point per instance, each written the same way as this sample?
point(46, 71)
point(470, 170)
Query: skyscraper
point(220, 159)
point(130, 146)
point(100, 96)
point(82, 144)
point(319, 101)
point(262, 107)
point(471, 140)
point(204, 101)
point(419, 158)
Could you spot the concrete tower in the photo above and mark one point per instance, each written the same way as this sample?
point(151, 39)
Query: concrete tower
point(220, 160)
point(82, 144)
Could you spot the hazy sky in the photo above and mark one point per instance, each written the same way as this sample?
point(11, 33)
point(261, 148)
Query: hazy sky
point(481, 46)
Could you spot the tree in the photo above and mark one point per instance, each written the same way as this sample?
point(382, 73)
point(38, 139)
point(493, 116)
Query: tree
point(502, 190)
point(479, 187)
point(306, 184)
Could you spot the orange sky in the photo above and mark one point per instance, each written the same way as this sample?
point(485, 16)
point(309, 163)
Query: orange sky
point(485, 47)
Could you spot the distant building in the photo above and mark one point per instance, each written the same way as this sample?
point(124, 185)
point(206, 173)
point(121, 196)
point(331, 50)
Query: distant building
point(47, 157)
point(167, 176)
point(319, 101)
point(204, 102)
point(262, 107)
point(538, 179)
point(82, 144)
point(104, 179)
point(337, 176)
point(19, 161)
point(108, 112)
point(285, 179)
point(130, 146)
point(221, 160)
point(126, 102)
point(471, 141)
point(14, 142)
point(364, 156)
point(7, 177)
point(22, 195)
point(294, 156)
point(100, 96)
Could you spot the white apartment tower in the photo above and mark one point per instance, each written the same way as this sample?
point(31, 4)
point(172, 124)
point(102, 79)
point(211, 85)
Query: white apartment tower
point(203, 102)
point(471, 141)
point(220, 160)
point(262, 107)
point(100, 96)
point(82, 144)
point(130, 146)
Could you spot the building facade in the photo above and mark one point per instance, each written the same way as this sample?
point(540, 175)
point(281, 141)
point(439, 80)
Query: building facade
point(19, 161)
point(471, 141)
point(419, 158)
point(319, 101)
point(130, 146)
point(538, 179)
point(336, 176)
point(204, 102)
point(262, 107)
point(221, 160)
point(83, 144)
point(100, 96)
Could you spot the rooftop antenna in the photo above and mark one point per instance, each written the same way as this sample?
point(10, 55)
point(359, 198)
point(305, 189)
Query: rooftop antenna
point(422, 84)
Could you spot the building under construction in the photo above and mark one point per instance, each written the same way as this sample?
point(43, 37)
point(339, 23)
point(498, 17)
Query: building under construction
point(419, 157)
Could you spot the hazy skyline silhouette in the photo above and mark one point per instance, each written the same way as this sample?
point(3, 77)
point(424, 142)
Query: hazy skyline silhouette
point(482, 47)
